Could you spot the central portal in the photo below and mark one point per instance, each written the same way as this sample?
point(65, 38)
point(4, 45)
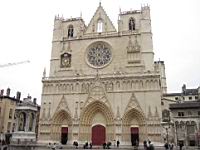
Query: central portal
point(98, 135)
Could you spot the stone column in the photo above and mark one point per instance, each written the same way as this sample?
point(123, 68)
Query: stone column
point(186, 135)
point(34, 122)
point(17, 121)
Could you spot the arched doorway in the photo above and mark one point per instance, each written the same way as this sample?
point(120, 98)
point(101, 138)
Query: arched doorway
point(134, 136)
point(98, 135)
point(133, 127)
point(61, 127)
point(96, 113)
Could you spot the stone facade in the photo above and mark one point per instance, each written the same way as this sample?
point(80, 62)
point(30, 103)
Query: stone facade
point(18, 119)
point(7, 112)
point(101, 77)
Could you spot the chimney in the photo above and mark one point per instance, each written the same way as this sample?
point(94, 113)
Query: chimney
point(2, 92)
point(29, 97)
point(35, 101)
point(8, 92)
point(18, 95)
point(183, 88)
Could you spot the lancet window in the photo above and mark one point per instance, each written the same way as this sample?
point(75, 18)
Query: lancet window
point(70, 31)
point(100, 26)
point(131, 24)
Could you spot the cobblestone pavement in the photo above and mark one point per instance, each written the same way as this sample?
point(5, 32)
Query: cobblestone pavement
point(94, 148)
point(130, 148)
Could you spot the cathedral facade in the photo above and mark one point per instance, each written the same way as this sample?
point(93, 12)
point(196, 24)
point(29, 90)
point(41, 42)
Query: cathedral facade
point(103, 83)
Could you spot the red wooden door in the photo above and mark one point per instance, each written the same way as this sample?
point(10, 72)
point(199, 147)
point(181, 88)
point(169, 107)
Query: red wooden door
point(98, 135)
point(64, 135)
point(134, 136)
point(134, 130)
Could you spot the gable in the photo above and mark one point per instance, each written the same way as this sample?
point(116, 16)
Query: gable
point(99, 17)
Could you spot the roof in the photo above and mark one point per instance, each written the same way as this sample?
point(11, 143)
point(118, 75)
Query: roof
point(190, 92)
point(10, 98)
point(185, 105)
point(172, 94)
point(186, 92)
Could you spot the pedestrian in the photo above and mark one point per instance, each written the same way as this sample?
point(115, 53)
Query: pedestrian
point(166, 146)
point(181, 145)
point(118, 143)
point(114, 143)
point(75, 144)
point(53, 146)
point(171, 146)
point(150, 146)
point(104, 145)
point(145, 145)
point(90, 145)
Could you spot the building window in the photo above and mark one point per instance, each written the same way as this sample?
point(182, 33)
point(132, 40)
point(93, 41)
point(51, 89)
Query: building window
point(0, 111)
point(166, 115)
point(100, 26)
point(8, 127)
point(70, 31)
point(10, 113)
point(13, 128)
point(176, 98)
point(190, 98)
point(196, 97)
point(198, 113)
point(131, 24)
point(180, 114)
point(189, 113)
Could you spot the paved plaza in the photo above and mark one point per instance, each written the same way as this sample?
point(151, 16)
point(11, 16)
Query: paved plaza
point(28, 147)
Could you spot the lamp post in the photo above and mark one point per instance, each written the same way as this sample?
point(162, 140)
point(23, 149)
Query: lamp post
point(167, 132)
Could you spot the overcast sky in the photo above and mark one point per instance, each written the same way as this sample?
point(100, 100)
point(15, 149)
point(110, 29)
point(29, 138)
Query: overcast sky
point(26, 34)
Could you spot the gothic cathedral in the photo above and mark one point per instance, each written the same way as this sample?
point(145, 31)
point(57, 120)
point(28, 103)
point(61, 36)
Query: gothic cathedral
point(103, 83)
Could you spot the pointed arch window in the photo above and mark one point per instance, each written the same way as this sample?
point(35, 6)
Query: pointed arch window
point(100, 25)
point(131, 24)
point(70, 31)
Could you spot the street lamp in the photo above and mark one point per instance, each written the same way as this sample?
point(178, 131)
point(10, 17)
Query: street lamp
point(166, 124)
point(167, 133)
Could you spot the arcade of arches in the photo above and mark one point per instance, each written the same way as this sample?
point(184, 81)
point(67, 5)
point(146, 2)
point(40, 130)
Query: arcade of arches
point(97, 124)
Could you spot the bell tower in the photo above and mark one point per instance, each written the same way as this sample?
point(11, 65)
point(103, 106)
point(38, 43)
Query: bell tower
point(137, 23)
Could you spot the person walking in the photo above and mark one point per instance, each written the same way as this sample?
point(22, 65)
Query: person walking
point(118, 143)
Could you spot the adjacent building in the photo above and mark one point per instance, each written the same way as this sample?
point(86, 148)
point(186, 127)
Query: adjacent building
point(103, 83)
point(18, 118)
point(186, 117)
point(181, 116)
point(7, 114)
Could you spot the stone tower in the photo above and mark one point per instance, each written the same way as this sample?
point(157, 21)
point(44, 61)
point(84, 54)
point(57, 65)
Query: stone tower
point(103, 83)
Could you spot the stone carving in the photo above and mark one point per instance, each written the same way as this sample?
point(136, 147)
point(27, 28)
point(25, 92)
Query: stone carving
point(63, 105)
point(133, 103)
point(97, 92)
